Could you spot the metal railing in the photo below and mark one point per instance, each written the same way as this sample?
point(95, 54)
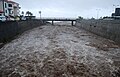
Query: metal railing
point(56, 18)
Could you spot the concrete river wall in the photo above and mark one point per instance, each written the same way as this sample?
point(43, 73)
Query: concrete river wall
point(106, 28)
point(10, 29)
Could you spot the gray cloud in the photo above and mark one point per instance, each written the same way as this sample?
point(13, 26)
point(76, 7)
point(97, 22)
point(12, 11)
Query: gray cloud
point(69, 8)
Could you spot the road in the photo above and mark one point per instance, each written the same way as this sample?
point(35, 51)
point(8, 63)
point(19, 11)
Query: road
point(59, 51)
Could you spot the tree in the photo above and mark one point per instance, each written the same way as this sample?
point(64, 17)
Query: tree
point(92, 18)
point(22, 13)
point(31, 14)
point(28, 13)
point(80, 18)
point(40, 14)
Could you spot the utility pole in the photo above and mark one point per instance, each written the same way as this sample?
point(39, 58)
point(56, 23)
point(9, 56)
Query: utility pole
point(98, 13)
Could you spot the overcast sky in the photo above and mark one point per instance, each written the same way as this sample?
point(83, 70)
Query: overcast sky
point(69, 8)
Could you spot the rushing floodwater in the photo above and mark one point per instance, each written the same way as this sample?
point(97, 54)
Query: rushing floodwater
point(59, 51)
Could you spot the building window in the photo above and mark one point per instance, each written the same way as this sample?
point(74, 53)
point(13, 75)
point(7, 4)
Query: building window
point(9, 5)
point(6, 11)
point(5, 5)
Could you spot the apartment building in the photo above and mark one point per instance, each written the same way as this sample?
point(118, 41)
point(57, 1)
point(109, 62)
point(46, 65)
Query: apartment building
point(9, 9)
point(1, 8)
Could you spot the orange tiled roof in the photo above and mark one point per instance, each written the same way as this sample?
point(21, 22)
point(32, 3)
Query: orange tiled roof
point(9, 1)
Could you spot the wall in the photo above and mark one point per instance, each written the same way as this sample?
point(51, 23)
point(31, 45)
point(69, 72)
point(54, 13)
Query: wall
point(12, 28)
point(1, 5)
point(107, 28)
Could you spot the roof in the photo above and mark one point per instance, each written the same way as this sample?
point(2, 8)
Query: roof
point(9, 1)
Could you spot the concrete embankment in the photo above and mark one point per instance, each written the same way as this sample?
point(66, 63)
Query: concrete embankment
point(10, 29)
point(107, 28)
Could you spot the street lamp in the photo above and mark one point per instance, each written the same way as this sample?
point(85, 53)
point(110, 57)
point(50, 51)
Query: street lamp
point(40, 14)
point(98, 13)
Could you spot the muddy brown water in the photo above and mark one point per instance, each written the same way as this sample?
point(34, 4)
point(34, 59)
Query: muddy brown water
point(59, 51)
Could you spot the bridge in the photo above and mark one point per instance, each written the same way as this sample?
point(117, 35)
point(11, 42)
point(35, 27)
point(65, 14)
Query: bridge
point(44, 19)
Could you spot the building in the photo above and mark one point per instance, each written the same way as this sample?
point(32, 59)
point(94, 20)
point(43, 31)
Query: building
point(9, 9)
point(116, 15)
point(1, 8)
point(117, 12)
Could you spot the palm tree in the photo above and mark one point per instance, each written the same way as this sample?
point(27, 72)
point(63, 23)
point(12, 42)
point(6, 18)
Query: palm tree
point(31, 14)
point(40, 14)
point(28, 13)
point(22, 13)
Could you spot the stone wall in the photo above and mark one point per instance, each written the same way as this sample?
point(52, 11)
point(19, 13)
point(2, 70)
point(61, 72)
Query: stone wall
point(10, 29)
point(107, 28)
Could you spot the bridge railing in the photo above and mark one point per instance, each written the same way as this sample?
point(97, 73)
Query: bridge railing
point(59, 18)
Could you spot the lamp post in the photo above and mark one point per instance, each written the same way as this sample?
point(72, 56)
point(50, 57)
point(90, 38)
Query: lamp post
point(98, 13)
point(40, 14)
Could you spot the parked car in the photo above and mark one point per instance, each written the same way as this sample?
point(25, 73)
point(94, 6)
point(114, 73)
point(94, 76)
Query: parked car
point(2, 18)
point(11, 19)
point(23, 18)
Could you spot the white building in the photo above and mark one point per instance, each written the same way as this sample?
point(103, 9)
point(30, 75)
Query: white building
point(9, 9)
